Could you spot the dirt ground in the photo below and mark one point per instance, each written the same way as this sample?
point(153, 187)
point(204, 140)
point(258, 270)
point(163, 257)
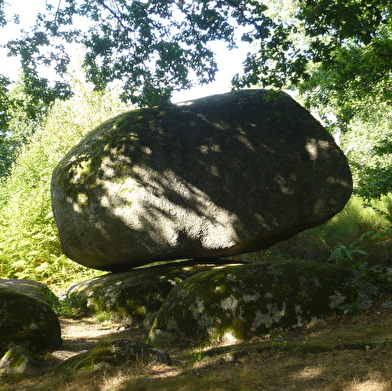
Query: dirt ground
point(347, 353)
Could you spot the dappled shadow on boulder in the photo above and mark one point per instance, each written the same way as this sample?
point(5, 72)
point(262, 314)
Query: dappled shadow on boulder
point(217, 177)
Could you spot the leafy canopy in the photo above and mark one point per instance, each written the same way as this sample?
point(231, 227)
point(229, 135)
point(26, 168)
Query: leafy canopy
point(152, 47)
point(157, 46)
point(337, 53)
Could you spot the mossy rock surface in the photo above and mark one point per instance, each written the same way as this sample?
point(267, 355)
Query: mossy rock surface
point(115, 353)
point(132, 296)
point(31, 288)
point(217, 177)
point(27, 321)
point(19, 362)
point(237, 303)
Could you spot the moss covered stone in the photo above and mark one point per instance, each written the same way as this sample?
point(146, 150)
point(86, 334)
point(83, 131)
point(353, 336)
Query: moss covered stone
point(132, 296)
point(237, 303)
point(19, 362)
point(115, 353)
point(216, 177)
point(31, 288)
point(27, 321)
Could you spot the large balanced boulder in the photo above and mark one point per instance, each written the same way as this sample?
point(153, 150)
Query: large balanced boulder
point(216, 177)
point(238, 303)
point(26, 318)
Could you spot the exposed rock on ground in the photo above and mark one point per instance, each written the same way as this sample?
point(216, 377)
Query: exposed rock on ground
point(115, 353)
point(238, 303)
point(346, 352)
point(26, 319)
point(217, 177)
point(19, 362)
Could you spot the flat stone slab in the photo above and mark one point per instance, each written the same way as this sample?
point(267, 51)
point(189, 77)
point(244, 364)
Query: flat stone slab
point(237, 303)
point(212, 178)
point(130, 297)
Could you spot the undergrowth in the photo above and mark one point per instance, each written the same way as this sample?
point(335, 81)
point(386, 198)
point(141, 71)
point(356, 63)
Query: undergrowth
point(29, 245)
point(356, 235)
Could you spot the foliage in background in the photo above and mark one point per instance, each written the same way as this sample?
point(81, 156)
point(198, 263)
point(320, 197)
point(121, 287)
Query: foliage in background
point(376, 176)
point(29, 246)
point(367, 143)
point(16, 129)
point(358, 234)
point(156, 47)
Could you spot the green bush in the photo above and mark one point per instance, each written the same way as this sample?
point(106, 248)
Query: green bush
point(348, 229)
point(29, 246)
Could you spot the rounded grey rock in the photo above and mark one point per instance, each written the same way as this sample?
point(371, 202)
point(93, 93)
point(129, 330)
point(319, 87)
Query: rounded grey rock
point(27, 321)
point(215, 177)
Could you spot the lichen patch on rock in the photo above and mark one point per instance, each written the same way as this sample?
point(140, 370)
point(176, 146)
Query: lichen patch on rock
point(263, 296)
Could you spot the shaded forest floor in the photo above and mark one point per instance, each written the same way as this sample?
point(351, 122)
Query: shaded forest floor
point(347, 353)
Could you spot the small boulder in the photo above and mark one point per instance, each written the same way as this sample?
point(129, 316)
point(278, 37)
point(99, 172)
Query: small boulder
point(19, 362)
point(212, 178)
point(33, 289)
point(238, 303)
point(26, 320)
point(115, 353)
point(133, 296)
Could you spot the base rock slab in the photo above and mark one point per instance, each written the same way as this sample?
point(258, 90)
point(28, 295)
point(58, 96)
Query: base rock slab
point(238, 303)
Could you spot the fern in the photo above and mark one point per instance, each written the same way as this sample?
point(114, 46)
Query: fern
point(352, 256)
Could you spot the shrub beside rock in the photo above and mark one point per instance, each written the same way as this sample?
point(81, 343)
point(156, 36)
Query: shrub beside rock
point(237, 303)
